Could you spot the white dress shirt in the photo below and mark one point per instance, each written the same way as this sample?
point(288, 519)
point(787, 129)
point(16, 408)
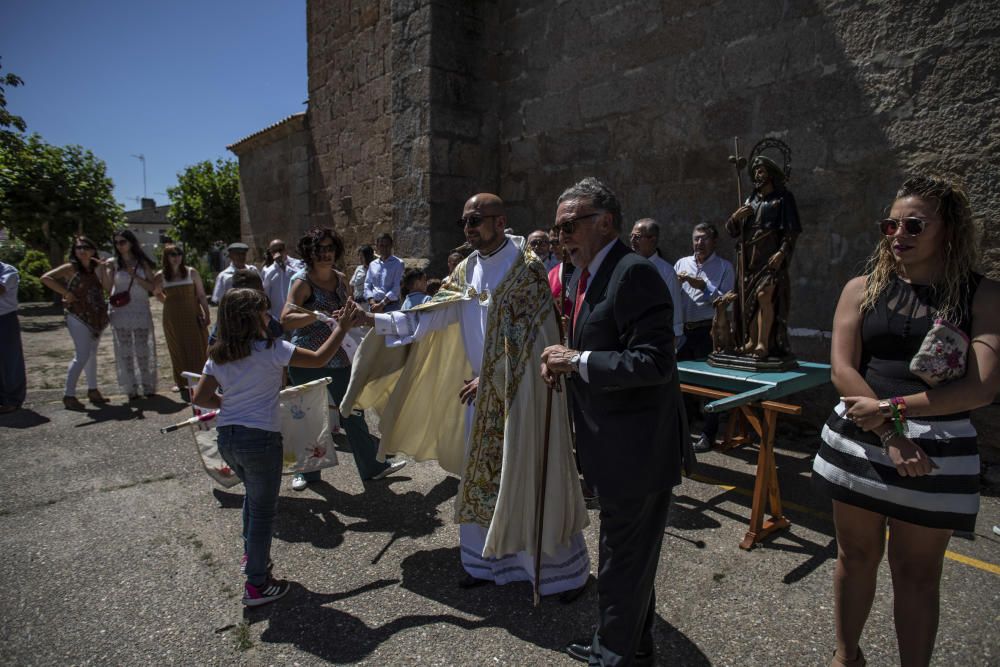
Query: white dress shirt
point(9, 278)
point(676, 293)
point(277, 279)
point(224, 281)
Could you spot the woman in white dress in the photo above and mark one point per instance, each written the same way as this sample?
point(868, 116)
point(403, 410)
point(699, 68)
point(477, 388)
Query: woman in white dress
point(130, 281)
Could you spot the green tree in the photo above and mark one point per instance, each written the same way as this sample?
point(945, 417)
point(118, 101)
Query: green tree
point(205, 205)
point(9, 137)
point(48, 193)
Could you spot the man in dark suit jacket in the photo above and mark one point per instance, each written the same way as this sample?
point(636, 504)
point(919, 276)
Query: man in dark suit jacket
point(627, 408)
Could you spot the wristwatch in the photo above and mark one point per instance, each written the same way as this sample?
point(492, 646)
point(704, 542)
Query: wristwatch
point(574, 361)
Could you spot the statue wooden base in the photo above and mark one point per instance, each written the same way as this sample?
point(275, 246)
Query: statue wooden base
point(743, 362)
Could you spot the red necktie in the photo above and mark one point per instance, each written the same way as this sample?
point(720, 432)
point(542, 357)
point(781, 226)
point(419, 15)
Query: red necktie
point(581, 288)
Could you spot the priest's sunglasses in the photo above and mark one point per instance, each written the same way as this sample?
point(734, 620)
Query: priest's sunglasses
point(569, 226)
point(911, 226)
point(473, 220)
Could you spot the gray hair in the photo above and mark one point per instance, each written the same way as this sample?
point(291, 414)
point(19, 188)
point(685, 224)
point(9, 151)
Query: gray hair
point(598, 194)
point(707, 228)
point(653, 225)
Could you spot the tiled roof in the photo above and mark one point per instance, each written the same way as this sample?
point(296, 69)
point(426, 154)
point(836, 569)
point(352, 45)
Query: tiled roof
point(286, 119)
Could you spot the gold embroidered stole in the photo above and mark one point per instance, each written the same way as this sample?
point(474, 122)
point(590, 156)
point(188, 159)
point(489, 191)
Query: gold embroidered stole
point(516, 310)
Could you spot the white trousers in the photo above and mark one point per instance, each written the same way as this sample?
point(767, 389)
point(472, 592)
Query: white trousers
point(85, 359)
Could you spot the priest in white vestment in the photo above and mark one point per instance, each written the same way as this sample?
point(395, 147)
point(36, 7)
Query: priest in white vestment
point(456, 380)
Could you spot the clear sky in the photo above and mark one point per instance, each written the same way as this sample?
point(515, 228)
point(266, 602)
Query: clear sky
point(175, 81)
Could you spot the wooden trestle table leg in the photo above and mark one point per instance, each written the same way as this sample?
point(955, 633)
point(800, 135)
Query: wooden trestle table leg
point(765, 487)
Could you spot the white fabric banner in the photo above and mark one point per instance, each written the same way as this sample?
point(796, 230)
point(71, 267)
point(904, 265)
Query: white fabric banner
point(305, 431)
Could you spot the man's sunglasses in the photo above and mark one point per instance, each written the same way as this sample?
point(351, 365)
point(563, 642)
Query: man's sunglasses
point(911, 226)
point(277, 248)
point(569, 226)
point(473, 220)
point(538, 243)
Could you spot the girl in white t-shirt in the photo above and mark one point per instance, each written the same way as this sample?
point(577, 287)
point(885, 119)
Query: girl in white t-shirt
point(247, 364)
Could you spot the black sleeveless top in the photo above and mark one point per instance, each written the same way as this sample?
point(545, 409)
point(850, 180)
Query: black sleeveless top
point(892, 331)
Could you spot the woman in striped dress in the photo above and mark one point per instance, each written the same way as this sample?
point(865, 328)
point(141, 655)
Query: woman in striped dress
point(923, 482)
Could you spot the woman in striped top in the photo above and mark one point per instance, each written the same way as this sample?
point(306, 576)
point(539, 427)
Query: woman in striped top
point(920, 475)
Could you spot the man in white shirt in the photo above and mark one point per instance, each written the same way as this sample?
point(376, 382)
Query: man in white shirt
point(278, 271)
point(539, 243)
point(645, 239)
point(384, 277)
point(237, 260)
point(704, 276)
point(12, 377)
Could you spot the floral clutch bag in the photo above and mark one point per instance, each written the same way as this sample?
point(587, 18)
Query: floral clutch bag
point(943, 356)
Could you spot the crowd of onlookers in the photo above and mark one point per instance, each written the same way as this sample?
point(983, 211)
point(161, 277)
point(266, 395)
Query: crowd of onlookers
point(115, 293)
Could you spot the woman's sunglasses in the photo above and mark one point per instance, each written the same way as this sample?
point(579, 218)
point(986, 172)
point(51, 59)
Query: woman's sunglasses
point(174, 253)
point(85, 247)
point(911, 226)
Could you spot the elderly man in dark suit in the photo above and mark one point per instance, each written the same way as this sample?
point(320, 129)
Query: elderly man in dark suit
point(629, 416)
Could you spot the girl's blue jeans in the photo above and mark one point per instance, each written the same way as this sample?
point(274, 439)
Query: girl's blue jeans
point(255, 456)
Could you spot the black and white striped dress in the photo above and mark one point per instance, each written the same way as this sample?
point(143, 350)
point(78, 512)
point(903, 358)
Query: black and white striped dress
point(851, 466)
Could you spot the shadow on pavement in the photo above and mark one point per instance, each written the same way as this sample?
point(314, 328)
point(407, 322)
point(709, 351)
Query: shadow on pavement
point(434, 574)
point(303, 620)
point(132, 410)
point(23, 418)
point(315, 520)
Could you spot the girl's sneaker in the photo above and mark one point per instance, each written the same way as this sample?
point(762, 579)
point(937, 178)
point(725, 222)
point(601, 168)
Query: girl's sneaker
point(271, 590)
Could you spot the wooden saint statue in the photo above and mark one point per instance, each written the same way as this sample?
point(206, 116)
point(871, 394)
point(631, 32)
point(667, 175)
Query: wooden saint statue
point(766, 227)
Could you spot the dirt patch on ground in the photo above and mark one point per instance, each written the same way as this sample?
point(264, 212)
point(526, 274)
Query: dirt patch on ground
point(48, 350)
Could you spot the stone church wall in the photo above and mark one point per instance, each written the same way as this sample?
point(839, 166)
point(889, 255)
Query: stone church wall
point(416, 104)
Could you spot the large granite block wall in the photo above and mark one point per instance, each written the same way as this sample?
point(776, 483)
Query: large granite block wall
point(417, 104)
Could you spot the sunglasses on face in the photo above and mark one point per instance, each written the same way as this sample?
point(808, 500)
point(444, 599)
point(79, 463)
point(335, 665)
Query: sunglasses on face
point(569, 226)
point(473, 221)
point(278, 248)
point(324, 249)
point(911, 226)
point(174, 253)
point(121, 242)
point(538, 243)
point(84, 247)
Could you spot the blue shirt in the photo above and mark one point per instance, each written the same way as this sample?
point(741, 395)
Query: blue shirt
point(719, 277)
point(9, 278)
point(383, 279)
point(415, 299)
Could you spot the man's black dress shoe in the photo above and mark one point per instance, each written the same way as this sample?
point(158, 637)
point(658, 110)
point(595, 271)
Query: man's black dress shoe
point(468, 581)
point(579, 649)
point(703, 445)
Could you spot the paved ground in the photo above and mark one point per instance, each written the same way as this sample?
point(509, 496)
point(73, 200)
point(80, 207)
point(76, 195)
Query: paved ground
point(117, 549)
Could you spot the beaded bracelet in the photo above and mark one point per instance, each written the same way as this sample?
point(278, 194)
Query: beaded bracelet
point(897, 420)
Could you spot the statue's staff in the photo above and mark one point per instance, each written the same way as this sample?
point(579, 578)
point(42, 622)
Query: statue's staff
point(739, 162)
point(562, 321)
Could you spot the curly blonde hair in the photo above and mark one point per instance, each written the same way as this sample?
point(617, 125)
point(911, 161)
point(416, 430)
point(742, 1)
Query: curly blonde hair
point(959, 247)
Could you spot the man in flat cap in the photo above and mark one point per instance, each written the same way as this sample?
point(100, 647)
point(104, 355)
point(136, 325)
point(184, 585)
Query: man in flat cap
point(237, 260)
point(767, 226)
